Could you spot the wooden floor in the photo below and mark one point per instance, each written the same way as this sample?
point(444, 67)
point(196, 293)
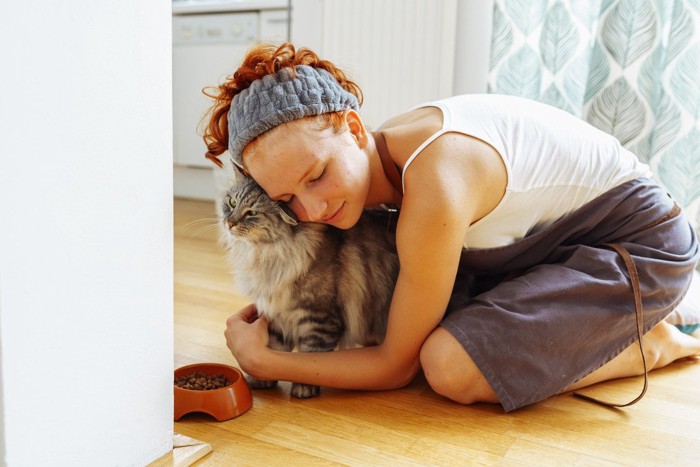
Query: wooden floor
point(412, 425)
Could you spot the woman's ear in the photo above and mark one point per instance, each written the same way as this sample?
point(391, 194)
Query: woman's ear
point(356, 127)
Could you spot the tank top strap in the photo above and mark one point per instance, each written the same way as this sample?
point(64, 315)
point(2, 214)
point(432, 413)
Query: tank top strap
point(418, 151)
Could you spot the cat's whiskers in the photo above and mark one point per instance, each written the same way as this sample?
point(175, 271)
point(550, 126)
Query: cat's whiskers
point(198, 227)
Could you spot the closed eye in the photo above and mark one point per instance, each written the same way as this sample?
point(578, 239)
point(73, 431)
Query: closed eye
point(317, 179)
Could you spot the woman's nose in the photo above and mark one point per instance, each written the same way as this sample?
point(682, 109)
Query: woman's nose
point(309, 209)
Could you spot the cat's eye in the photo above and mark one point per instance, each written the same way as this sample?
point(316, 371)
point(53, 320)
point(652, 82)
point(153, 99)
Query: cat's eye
point(253, 213)
point(232, 203)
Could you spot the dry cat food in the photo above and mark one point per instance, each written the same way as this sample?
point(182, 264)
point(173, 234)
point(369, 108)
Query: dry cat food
point(201, 382)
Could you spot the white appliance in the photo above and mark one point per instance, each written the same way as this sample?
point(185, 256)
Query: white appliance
point(210, 39)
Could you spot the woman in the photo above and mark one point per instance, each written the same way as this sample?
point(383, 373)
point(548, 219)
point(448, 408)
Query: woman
point(564, 231)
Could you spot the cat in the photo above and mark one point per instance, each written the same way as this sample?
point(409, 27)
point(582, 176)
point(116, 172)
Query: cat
point(320, 287)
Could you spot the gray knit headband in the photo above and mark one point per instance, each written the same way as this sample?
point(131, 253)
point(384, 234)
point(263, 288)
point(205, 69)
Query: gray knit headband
point(281, 98)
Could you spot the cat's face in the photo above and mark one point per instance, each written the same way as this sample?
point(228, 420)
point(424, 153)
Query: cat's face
point(248, 213)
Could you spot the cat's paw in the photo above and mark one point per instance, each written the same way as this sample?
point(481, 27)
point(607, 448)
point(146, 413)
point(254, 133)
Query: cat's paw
point(256, 383)
point(305, 391)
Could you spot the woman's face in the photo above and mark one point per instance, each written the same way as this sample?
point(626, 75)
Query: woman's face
point(323, 176)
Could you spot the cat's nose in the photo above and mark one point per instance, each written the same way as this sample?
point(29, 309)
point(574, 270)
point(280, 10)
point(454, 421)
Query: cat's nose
point(229, 223)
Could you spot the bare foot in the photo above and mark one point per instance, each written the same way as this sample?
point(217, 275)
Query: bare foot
point(662, 345)
point(665, 344)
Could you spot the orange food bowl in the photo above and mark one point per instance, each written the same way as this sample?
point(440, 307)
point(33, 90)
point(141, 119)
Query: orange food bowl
point(224, 403)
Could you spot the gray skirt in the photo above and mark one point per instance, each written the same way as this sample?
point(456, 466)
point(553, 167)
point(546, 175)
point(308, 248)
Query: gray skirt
point(540, 314)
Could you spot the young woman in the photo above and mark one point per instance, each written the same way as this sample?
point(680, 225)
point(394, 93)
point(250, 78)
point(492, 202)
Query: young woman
point(576, 252)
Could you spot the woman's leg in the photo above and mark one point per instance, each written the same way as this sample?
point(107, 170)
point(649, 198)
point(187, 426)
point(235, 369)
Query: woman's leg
point(662, 345)
point(452, 373)
point(572, 308)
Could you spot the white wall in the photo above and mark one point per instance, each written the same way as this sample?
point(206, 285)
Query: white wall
point(86, 232)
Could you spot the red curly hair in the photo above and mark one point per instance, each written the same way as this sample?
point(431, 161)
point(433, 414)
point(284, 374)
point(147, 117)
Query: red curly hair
point(262, 60)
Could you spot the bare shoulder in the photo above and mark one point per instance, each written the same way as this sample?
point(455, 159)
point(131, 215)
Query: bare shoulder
point(463, 171)
point(455, 168)
point(406, 132)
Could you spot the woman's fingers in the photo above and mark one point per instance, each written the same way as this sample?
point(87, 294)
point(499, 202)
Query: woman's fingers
point(247, 314)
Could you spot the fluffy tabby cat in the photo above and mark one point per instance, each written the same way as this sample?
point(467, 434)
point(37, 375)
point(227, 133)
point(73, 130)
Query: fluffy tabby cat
point(321, 288)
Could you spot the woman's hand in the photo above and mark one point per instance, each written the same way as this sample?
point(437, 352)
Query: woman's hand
point(247, 339)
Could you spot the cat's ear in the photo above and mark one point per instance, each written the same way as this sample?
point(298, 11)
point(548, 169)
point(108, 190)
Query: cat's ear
point(287, 214)
point(240, 175)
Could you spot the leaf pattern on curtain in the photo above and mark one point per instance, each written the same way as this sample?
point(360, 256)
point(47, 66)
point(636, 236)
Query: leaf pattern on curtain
point(575, 80)
point(630, 67)
point(684, 80)
point(559, 38)
point(599, 72)
point(680, 170)
point(618, 111)
point(681, 30)
point(629, 30)
point(585, 11)
point(527, 14)
point(605, 5)
point(665, 128)
point(521, 74)
point(695, 4)
point(502, 37)
point(663, 108)
point(553, 97)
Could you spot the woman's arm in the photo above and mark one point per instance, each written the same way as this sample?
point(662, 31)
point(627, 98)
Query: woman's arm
point(436, 211)
point(367, 367)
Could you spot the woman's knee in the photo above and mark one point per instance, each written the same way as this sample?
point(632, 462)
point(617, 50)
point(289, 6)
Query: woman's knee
point(451, 372)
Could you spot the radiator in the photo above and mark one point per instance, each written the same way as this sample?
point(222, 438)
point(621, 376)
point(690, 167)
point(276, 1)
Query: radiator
point(400, 52)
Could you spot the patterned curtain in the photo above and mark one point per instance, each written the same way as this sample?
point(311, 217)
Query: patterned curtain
point(629, 67)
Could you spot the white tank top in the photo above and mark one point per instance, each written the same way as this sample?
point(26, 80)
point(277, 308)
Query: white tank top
point(555, 162)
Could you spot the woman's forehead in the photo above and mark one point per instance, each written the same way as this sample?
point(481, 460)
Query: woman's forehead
point(287, 150)
point(281, 160)
point(281, 138)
